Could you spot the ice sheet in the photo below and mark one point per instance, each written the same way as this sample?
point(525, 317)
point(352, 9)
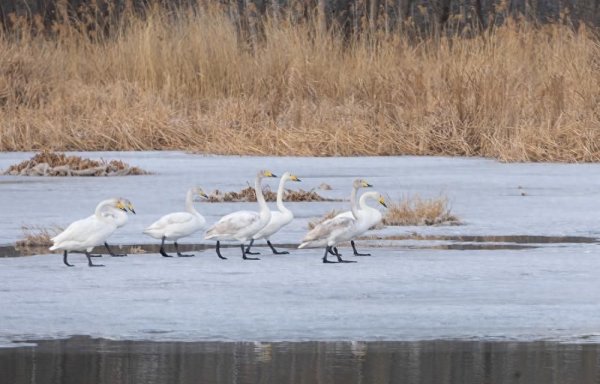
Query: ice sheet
point(549, 292)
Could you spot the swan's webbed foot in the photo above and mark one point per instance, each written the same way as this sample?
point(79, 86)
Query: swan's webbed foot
point(179, 254)
point(163, 253)
point(246, 257)
point(248, 249)
point(219, 251)
point(65, 260)
point(356, 253)
point(110, 252)
point(95, 255)
point(90, 264)
point(276, 252)
point(340, 260)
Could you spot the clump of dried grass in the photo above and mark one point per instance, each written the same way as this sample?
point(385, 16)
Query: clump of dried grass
point(37, 236)
point(48, 163)
point(413, 210)
point(248, 194)
point(136, 249)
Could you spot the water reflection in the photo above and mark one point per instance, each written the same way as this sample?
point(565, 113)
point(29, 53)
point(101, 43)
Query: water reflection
point(83, 360)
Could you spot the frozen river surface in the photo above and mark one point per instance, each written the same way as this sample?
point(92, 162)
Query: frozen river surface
point(408, 290)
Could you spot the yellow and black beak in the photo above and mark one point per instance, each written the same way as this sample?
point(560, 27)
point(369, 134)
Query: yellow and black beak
point(294, 178)
point(366, 185)
point(202, 194)
point(120, 205)
point(270, 174)
point(131, 209)
point(382, 202)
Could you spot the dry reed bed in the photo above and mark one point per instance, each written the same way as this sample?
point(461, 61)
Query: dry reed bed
point(248, 194)
point(58, 164)
point(516, 93)
point(410, 210)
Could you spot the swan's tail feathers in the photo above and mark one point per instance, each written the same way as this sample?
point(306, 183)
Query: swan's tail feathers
point(303, 245)
point(153, 232)
point(54, 247)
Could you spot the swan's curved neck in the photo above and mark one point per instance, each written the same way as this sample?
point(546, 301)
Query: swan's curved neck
point(259, 194)
point(280, 205)
point(102, 206)
point(189, 202)
point(363, 201)
point(353, 202)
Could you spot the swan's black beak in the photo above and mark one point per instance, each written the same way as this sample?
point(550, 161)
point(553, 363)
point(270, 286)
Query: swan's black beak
point(132, 210)
point(204, 195)
point(273, 175)
point(123, 209)
point(297, 179)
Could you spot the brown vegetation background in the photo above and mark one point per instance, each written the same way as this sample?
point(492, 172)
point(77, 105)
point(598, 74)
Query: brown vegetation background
point(507, 81)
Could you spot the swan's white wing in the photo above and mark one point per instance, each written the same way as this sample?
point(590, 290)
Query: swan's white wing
point(345, 214)
point(328, 227)
point(84, 233)
point(72, 229)
point(171, 219)
point(232, 223)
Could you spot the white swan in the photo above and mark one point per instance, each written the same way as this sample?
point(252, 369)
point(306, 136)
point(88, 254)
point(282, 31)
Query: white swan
point(120, 218)
point(176, 225)
point(367, 215)
point(335, 230)
point(242, 225)
point(279, 219)
point(83, 235)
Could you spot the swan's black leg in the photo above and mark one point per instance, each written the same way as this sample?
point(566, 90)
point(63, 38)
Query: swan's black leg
point(250, 246)
point(179, 253)
point(65, 260)
point(276, 252)
point(327, 250)
point(162, 248)
point(332, 250)
point(110, 252)
point(340, 260)
point(356, 253)
point(219, 251)
point(90, 264)
point(246, 257)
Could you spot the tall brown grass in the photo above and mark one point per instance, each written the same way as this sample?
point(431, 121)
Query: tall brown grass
point(516, 93)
